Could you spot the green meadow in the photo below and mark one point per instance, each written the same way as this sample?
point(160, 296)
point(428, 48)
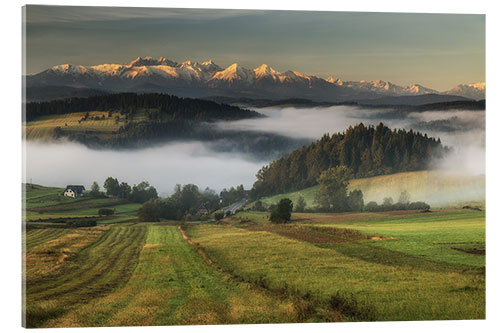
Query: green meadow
point(370, 266)
point(419, 266)
point(46, 204)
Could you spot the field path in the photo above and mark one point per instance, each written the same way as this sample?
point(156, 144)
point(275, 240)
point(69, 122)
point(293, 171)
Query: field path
point(173, 285)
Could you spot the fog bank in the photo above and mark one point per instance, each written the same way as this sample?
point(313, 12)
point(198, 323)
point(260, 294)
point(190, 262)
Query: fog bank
point(463, 131)
point(206, 164)
point(63, 163)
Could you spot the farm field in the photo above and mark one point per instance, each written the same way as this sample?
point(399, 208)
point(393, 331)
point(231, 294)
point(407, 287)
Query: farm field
point(439, 189)
point(408, 267)
point(142, 274)
point(399, 265)
point(42, 128)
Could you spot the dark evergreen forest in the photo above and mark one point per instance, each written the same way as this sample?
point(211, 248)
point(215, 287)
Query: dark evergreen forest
point(366, 150)
point(171, 107)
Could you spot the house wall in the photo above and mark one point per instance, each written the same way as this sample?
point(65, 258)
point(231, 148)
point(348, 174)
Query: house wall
point(69, 193)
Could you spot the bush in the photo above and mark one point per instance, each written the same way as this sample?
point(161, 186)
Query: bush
point(105, 212)
point(283, 212)
point(258, 206)
point(219, 215)
point(82, 223)
point(371, 206)
point(419, 205)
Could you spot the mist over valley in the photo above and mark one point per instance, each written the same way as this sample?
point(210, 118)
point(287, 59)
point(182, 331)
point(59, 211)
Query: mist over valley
point(227, 161)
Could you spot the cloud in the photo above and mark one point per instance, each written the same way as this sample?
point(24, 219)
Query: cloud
point(66, 14)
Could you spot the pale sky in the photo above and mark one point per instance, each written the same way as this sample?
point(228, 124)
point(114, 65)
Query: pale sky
point(438, 51)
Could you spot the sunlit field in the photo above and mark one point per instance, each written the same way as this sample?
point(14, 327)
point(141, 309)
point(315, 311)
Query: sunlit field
point(417, 266)
point(320, 267)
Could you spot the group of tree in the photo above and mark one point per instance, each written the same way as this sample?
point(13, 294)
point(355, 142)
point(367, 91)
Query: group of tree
point(184, 203)
point(228, 197)
point(365, 150)
point(403, 203)
point(139, 193)
point(166, 106)
point(333, 196)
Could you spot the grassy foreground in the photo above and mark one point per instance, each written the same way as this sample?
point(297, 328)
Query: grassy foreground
point(151, 277)
point(410, 267)
point(321, 267)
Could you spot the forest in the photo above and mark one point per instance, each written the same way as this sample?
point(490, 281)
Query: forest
point(169, 106)
point(366, 150)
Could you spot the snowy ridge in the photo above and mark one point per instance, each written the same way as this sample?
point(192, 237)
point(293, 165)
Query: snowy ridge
point(163, 72)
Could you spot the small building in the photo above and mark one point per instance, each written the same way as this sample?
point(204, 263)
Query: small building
point(203, 209)
point(74, 191)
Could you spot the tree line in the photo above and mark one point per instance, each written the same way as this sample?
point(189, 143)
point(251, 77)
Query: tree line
point(188, 202)
point(365, 150)
point(166, 106)
point(139, 193)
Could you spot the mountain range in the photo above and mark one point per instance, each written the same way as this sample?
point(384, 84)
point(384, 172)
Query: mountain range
point(194, 79)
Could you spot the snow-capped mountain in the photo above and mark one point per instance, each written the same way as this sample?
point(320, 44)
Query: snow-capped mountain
point(471, 90)
point(383, 87)
point(196, 79)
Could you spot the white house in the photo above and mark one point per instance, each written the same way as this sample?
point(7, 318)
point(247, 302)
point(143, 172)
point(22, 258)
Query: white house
point(74, 191)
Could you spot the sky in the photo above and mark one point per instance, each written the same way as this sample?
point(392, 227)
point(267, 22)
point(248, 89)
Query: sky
point(438, 51)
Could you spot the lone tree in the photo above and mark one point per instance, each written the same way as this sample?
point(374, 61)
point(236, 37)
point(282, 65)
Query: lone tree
point(332, 193)
point(300, 206)
point(95, 190)
point(282, 212)
point(404, 198)
point(112, 186)
point(355, 202)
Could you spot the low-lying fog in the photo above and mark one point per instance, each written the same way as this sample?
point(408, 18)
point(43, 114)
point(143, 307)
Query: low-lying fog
point(63, 163)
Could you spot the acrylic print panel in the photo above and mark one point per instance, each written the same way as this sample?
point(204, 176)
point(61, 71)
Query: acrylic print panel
point(202, 166)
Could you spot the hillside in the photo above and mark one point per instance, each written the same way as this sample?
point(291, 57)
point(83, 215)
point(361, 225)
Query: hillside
point(439, 189)
point(46, 206)
point(366, 150)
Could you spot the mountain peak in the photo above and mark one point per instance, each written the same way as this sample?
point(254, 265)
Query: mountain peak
point(149, 61)
point(165, 74)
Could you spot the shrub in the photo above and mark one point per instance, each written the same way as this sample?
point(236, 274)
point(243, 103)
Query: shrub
point(219, 215)
point(82, 223)
point(371, 206)
point(258, 206)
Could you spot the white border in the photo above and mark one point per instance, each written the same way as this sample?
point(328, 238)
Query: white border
point(11, 156)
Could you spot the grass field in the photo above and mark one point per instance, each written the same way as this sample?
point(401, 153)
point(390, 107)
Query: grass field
point(144, 275)
point(409, 267)
point(47, 203)
point(42, 128)
point(401, 265)
point(439, 189)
